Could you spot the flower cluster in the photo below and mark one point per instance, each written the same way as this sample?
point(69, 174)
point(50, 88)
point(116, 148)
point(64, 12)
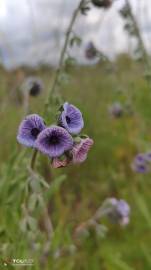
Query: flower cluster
point(62, 142)
point(141, 163)
point(118, 110)
point(118, 211)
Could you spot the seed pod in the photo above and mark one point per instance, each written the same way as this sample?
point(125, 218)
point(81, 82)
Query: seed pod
point(33, 86)
point(102, 3)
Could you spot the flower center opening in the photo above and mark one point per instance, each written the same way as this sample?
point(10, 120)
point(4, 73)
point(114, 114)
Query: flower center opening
point(54, 140)
point(68, 119)
point(35, 89)
point(35, 132)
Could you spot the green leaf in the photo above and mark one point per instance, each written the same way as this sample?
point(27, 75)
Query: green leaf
point(75, 41)
point(119, 263)
point(54, 187)
point(32, 223)
point(44, 183)
point(143, 208)
point(23, 225)
point(147, 254)
point(32, 202)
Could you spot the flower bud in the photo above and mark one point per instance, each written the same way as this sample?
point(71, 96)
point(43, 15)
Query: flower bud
point(102, 3)
point(33, 86)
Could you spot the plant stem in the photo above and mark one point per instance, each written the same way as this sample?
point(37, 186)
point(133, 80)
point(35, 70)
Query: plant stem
point(33, 160)
point(63, 52)
point(137, 30)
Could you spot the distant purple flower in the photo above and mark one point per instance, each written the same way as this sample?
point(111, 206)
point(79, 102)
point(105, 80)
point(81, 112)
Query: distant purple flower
point(54, 141)
point(148, 156)
point(116, 110)
point(118, 211)
point(140, 158)
point(71, 118)
point(80, 150)
point(140, 168)
point(29, 130)
point(140, 164)
point(32, 85)
point(90, 51)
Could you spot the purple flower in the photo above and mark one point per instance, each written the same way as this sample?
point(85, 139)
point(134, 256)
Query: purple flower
point(116, 110)
point(29, 130)
point(71, 118)
point(90, 51)
point(140, 159)
point(54, 141)
point(118, 211)
point(80, 150)
point(140, 168)
point(140, 164)
point(123, 211)
point(33, 86)
point(148, 156)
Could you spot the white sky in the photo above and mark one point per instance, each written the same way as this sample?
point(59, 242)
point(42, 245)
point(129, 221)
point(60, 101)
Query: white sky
point(31, 31)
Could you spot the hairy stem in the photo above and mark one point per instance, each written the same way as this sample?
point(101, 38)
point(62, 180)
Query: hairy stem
point(137, 30)
point(33, 160)
point(63, 52)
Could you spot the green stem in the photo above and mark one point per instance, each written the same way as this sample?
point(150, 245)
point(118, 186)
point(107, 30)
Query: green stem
point(33, 160)
point(141, 42)
point(62, 56)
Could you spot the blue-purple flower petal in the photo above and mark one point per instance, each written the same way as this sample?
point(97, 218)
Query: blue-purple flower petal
point(54, 141)
point(29, 130)
point(71, 118)
point(123, 208)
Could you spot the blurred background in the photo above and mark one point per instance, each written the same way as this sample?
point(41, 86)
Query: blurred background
point(32, 31)
point(108, 77)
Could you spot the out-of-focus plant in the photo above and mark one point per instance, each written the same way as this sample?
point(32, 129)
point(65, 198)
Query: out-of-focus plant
point(141, 163)
point(92, 53)
point(131, 26)
point(31, 87)
point(118, 110)
point(116, 211)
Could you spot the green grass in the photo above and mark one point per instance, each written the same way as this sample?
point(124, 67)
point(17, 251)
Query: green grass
point(106, 172)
